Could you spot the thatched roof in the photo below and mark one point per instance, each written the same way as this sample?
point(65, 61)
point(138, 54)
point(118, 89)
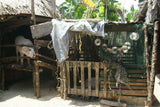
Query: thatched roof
point(18, 7)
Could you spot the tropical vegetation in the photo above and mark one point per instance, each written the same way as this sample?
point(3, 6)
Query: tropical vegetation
point(77, 9)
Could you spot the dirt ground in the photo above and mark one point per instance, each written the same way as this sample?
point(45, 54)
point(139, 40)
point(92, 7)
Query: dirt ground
point(21, 95)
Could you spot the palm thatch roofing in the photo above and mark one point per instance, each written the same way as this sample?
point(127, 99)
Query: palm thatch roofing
point(19, 7)
point(16, 13)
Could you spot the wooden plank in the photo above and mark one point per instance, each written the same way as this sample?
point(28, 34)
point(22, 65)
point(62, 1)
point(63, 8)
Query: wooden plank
point(110, 94)
point(137, 76)
point(82, 79)
point(89, 78)
point(46, 65)
point(136, 71)
point(20, 67)
point(45, 57)
point(75, 77)
point(120, 27)
point(133, 92)
point(130, 79)
point(130, 83)
point(12, 58)
point(68, 77)
point(125, 87)
point(41, 30)
point(97, 78)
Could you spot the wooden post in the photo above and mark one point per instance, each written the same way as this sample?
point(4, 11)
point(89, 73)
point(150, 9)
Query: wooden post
point(61, 80)
point(65, 80)
point(105, 82)
point(154, 63)
point(33, 18)
point(89, 79)
point(34, 82)
point(75, 77)
point(106, 9)
point(68, 76)
point(97, 79)
point(54, 9)
point(147, 52)
point(82, 79)
point(63, 83)
point(37, 80)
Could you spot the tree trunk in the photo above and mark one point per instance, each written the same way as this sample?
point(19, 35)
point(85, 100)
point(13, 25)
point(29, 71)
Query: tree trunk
point(152, 12)
point(54, 9)
point(106, 10)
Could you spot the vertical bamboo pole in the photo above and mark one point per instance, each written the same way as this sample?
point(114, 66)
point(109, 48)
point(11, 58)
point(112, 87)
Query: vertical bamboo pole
point(37, 80)
point(75, 77)
point(54, 9)
point(34, 82)
point(147, 52)
point(82, 79)
point(89, 79)
point(106, 9)
point(97, 78)
point(33, 18)
point(64, 80)
point(68, 77)
point(154, 66)
point(61, 80)
point(105, 82)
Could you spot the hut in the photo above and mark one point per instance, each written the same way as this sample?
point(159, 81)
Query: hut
point(91, 65)
point(16, 19)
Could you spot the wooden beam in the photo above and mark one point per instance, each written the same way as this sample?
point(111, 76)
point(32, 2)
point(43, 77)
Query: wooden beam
point(148, 56)
point(45, 57)
point(154, 62)
point(113, 27)
point(82, 79)
point(46, 65)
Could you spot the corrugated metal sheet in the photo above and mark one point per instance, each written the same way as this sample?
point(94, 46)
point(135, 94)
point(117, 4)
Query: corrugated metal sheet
point(15, 7)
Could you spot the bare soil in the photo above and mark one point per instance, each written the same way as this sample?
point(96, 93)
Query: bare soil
point(21, 94)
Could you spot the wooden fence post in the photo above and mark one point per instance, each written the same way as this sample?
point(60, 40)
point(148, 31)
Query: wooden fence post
point(154, 62)
point(147, 53)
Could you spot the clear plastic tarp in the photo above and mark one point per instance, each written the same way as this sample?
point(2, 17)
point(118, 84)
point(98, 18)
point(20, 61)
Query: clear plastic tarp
point(60, 36)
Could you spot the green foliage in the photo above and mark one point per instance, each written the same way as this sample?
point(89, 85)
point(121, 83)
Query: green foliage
point(79, 10)
point(111, 13)
point(131, 14)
